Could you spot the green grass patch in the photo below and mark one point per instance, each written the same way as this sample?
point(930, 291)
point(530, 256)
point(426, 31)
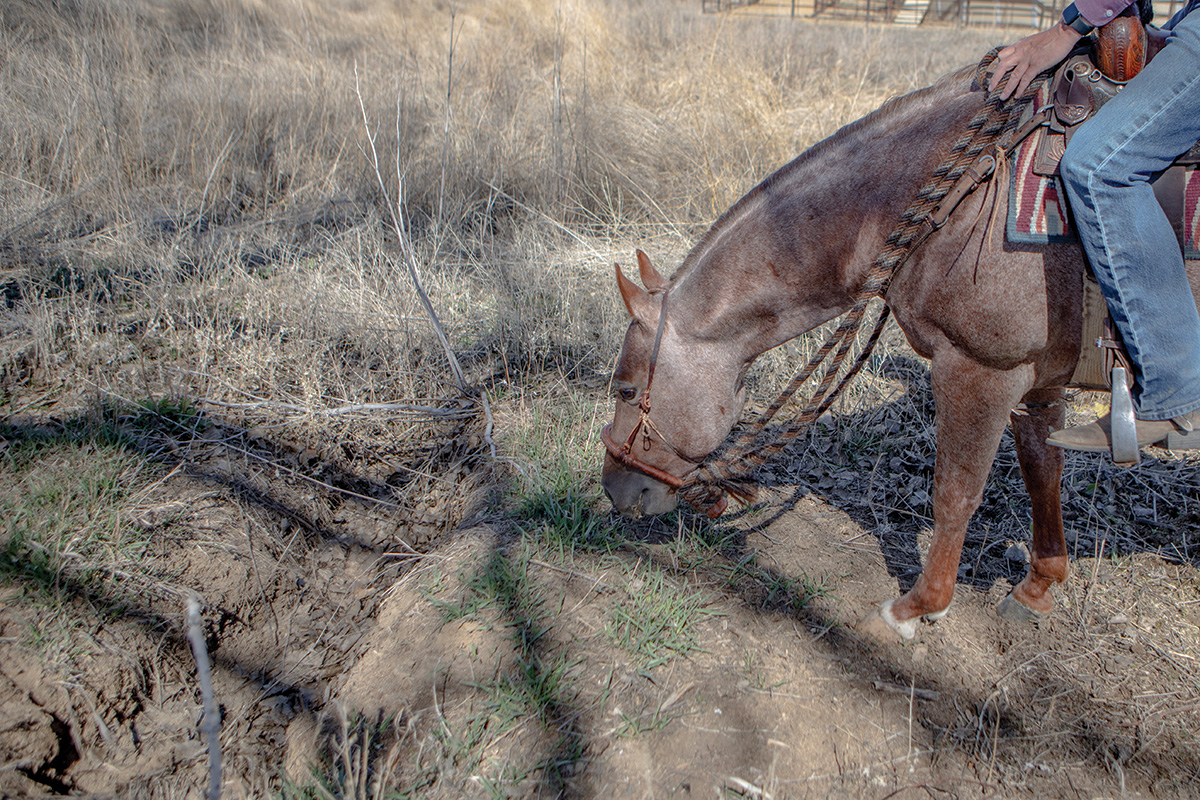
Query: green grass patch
point(534, 694)
point(555, 445)
point(501, 588)
point(568, 524)
point(534, 688)
point(63, 503)
point(657, 622)
point(65, 532)
point(175, 414)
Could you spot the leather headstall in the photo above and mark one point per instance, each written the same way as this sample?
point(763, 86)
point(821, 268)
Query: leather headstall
point(624, 453)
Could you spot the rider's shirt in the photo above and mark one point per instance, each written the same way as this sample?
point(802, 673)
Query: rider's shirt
point(1101, 12)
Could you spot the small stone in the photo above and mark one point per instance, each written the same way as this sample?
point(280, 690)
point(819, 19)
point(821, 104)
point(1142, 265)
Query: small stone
point(1017, 552)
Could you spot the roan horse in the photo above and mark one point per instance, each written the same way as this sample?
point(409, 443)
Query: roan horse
point(999, 323)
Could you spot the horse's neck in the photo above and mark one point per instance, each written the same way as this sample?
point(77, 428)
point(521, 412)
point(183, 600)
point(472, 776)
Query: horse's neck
point(794, 252)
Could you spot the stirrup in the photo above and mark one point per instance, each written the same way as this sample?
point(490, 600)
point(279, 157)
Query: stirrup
point(1125, 451)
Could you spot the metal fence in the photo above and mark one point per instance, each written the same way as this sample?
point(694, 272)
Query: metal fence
point(1007, 13)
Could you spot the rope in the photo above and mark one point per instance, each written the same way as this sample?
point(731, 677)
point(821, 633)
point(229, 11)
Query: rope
point(730, 471)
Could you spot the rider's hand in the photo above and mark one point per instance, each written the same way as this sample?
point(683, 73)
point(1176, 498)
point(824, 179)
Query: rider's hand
point(1026, 58)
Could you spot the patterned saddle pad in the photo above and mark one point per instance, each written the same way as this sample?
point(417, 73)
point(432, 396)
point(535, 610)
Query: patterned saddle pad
point(1038, 212)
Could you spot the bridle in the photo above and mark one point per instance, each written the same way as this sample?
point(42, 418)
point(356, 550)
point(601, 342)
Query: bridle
point(624, 453)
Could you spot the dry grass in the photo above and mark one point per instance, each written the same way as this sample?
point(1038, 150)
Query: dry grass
point(185, 207)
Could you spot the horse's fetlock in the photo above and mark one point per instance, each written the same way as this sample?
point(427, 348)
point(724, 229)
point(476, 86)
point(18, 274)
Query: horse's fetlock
point(1052, 569)
point(1034, 595)
point(930, 597)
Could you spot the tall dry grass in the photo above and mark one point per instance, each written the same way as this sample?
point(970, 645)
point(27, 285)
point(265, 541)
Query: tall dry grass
point(185, 206)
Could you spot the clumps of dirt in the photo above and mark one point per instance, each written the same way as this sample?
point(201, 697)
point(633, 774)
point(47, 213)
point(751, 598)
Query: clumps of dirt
point(36, 744)
point(374, 623)
point(500, 661)
point(291, 551)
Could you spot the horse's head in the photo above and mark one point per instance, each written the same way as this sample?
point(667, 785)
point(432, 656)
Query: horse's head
point(677, 393)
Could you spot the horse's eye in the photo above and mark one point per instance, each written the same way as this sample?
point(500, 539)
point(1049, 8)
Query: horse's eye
point(627, 393)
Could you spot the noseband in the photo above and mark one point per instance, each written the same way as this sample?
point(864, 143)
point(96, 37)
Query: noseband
point(624, 453)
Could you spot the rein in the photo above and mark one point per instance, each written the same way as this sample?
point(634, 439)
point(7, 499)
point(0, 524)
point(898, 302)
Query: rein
point(974, 158)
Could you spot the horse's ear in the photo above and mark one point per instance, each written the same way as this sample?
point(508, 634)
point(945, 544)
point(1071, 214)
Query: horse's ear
point(650, 277)
point(637, 299)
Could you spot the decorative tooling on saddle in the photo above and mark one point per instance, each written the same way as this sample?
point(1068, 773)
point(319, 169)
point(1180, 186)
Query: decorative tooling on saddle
point(1121, 49)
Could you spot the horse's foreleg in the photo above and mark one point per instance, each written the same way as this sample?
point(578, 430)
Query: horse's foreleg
point(1041, 467)
point(973, 403)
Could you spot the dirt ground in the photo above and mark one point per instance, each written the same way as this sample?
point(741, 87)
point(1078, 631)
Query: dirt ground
point(365, 647)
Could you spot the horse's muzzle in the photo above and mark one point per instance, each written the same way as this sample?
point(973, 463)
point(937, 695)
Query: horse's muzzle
point(635, 494)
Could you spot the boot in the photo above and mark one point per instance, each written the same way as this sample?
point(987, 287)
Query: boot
point(1097, 437)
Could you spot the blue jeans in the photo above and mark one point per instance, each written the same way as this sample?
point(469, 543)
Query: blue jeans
point(1129, 242)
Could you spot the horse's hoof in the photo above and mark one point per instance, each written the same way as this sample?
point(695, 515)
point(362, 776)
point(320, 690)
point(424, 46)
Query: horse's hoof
point(1013, 610)
point(873, 628)
point(906, 630)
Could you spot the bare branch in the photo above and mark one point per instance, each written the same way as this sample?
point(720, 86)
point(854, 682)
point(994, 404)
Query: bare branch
point(210, 725)
point(396, 211)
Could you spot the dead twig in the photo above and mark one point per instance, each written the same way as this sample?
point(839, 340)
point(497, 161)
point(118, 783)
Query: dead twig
point(210, 724)
point(349, 408)
point(747, 789)
point(907, 691)
point(396, 212)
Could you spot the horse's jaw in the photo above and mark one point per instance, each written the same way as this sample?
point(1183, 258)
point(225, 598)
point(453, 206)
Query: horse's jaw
point(634, 494)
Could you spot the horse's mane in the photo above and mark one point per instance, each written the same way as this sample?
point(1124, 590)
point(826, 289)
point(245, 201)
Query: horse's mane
point(886, 113)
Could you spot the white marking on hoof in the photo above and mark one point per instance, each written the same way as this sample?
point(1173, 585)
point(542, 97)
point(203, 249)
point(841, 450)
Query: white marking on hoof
point(906, 630)
point(935, 616)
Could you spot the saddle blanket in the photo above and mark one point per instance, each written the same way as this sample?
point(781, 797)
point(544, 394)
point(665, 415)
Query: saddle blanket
point(1038, 212)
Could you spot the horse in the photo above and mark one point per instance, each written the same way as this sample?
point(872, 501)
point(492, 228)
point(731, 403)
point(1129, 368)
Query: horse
point(999, 323)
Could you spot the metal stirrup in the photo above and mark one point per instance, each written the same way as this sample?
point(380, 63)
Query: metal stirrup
point(1125, 452)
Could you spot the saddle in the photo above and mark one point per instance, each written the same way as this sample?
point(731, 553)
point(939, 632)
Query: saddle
point(1084, 83)
point(1089, 78)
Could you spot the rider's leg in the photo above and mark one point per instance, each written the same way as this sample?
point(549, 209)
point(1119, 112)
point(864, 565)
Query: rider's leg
point(1129, 241)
